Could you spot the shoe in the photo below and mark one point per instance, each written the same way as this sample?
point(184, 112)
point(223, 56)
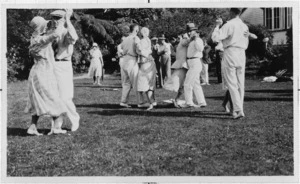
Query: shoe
point(33, 132)
point(238, 115)
point(154, 104)
point(176, 104)
point(143, 105)
point(208, 84)
point(125, 105)
point(150, 107)
point(59, 131)
point(186, 106)
point(202, 84)
point(75, 127)
point(226, 109)
point(200, 105)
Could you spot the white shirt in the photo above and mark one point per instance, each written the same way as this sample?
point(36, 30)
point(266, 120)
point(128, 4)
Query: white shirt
point(232, 34)
point(195, 48)
point(129, 45)
point(165, 47)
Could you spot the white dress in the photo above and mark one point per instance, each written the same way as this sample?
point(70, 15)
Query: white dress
point(43, 92)
point(95, 69)
point(175, 82)
point(147, 68)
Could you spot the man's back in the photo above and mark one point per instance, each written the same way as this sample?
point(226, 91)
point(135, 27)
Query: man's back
point(235, 30)
point(128, 45)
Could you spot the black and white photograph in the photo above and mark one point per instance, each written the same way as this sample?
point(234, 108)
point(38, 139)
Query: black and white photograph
point(178, 91)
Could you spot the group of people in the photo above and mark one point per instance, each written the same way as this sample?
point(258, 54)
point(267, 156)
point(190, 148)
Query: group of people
point(51, 86)
point(50, 81)
point(140, 61)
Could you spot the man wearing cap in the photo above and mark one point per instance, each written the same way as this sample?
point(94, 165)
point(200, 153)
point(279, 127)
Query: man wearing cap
point(63, 50)
point(234, 37)
point(129, 65)
point(192, 80)
point(164, 52)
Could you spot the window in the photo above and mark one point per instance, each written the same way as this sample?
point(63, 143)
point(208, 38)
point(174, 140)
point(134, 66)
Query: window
point(269, 18)
point(289, 17)
point(276, 18)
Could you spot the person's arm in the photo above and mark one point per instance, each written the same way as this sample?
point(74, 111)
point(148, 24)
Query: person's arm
point(71, 36)
point(161, 52)
point(220, 34)
point(199, 44)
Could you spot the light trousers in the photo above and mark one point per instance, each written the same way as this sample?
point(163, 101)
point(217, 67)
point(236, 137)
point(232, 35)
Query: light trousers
point(204, 73)
point(129, 73)
point(192, 83)
point(233, 68)
point(64, 75)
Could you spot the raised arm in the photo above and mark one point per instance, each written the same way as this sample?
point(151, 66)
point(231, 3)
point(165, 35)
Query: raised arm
point(71, 34)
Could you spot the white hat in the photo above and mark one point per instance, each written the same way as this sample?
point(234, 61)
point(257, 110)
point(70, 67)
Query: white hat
point(58, 13)
point(95, 44)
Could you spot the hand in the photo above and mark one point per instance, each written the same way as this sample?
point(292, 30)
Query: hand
point(185, 35)
point(219, 22)
point(69, 13)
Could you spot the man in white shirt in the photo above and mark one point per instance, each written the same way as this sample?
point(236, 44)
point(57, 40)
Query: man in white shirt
point(234, 36)
point(129, 66)
point(164, 51)
point(192, 80)
point(63, 50)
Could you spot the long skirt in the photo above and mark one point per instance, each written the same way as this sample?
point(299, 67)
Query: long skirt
point(95, 69)
point(43, 92)
point(147, 76)
point(175, 82)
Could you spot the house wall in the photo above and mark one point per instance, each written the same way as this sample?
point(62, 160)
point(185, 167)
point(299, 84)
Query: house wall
point(279, 38)
point(254, 16)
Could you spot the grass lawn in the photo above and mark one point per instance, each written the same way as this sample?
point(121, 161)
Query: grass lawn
point(113, 141)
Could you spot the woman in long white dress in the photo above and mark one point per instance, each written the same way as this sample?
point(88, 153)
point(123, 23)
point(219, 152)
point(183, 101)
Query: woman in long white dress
point(43, 94)
point(95, 70)
point(180, 68)
point(147, 69)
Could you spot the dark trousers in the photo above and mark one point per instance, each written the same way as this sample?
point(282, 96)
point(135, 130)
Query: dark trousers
point(159, 73)
point(219, 57)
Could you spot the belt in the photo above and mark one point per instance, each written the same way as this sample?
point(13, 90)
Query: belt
point(193, 58)
point(58, 60)
point(131, 55)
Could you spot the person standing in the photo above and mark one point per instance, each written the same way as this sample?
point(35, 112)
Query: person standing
point(205, 62)
point(154, 47)
point(234, 36)
point(95, 70)
point(192, 80)
point(164, 52)
point(147, 69)
point(63, 51)
point(129, 66)
point(43, 94)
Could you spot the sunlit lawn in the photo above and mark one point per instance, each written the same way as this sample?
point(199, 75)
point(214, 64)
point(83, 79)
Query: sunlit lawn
point(113, 141)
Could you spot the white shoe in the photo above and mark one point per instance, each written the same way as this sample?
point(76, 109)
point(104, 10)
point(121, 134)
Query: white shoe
point(150, 107)
point(75, 127)
point(238, 115)
point(59, 131)
point(186, 105)
point(202, 84)
point(154, 103)
point(125, 105)
point(143, 105)
point(33, 132)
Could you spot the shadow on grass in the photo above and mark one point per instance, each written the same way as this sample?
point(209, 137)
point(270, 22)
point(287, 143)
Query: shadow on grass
point(117, 106)
point(100, 87)
point(23, 132)
point(250, 99)
point(271, 91)
point(196, 114)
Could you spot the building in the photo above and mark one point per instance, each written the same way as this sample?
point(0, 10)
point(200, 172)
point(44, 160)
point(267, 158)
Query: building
point(277, 20)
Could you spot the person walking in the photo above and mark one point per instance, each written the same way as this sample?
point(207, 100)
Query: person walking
point(63, 50)
point(95, 70)
point(154, 47)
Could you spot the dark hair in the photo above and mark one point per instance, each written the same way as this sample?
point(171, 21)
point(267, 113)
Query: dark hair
point(132, 26)
point(236, 11)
